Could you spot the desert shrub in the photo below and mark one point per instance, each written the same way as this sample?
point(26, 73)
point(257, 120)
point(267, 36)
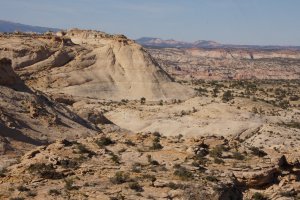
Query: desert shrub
point(114, 157)
point(22, 188)
point(257, 152)
point(2, 172)
point(291, 193)
point(83, 150)
point(161, 102)
point(211, 178)
point(31, 193)
point(45, 171)
point(68, 164)
point(183, 173)
point(227, 96)
point(54, 192)
point(69, 184)
point(258, 196)
point(104, 141)
point(238, 156)
point(292, 124)
point(17, 198)
point(136, 167)
point(152, 178)
point(120, 177)
point(156, 144)
point(216, 152)
point(135, 186)
point(143, 100)
point(294, 98)
point(130, 143)
point(218, 160)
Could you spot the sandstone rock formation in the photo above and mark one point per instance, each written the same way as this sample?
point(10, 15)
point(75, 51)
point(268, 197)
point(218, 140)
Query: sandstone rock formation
point(29, 118)
point(90, 64)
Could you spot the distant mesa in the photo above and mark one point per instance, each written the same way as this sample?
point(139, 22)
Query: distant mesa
point(205, 44)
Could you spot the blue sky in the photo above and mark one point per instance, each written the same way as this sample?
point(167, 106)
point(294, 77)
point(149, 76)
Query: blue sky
point(263, 22)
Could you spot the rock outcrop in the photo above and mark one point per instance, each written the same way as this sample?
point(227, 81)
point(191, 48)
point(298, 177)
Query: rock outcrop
point(90, 64)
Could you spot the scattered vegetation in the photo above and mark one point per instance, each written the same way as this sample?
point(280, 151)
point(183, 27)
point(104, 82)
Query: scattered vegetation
point(45, 171)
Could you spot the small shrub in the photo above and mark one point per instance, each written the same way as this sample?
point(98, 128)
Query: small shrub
point(45, 171)
point(211, 178)
point(143, 100)
point(136, 167)
point(218, 160)
point(136, 187)
point(120, 177)
point(22, 188)
point(114, 157)
point(238, 156)
point(216, 152)
point(156, 144)
point(227, 96)
point(258, 196)
point(83, 150)
point(257, 152)
point(104, 141)
point(69, 185)
point(152, 178)
point(17, 198)
point(54, 192)
point(183, 173)
point(31, 194)
point(68, 164)
point(130, 143)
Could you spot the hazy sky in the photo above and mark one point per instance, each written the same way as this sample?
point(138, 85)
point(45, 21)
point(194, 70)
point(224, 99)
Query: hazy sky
point(265, 22)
